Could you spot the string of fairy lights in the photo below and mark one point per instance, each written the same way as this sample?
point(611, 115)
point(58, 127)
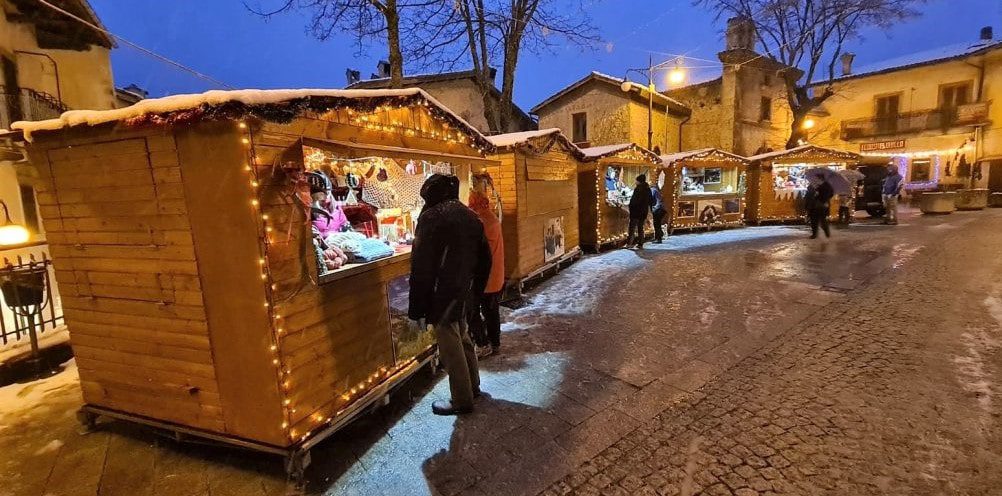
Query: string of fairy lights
point(632, 154)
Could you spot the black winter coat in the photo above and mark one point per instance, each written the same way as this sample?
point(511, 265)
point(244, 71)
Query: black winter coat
point(818, 197)
point(641, 201)
point(451, 259)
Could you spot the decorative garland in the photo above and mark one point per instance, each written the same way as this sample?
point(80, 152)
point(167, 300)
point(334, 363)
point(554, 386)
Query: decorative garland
point(287, 111)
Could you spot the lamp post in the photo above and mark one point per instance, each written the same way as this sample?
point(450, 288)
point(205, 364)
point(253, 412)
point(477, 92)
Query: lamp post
point(676, 76)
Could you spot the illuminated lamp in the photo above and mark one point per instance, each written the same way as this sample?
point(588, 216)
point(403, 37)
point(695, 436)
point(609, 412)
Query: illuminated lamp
point(11, 233)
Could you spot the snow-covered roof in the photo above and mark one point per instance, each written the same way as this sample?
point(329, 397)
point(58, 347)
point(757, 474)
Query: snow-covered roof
point(660, 98)
point(803, 150)
point(215, 98)
point(511, 139)
point(597, 152)
point(704, 152)
point(925, 57)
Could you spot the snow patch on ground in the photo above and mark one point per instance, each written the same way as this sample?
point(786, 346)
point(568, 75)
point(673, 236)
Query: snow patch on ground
point(974, 368)
point(686, 242)
point(52, 447)
point(17, 401)
point(902, 253)
point(575, 291)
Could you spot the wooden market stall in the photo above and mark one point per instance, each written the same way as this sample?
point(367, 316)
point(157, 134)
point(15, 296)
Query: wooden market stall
point(704, 188)
point(776, 183)
point(536, 178)
point(198, 296)
point(605, 183)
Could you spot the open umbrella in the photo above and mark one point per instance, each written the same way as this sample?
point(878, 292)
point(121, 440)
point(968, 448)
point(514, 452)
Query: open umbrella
point(852, 175)
point(839, 184)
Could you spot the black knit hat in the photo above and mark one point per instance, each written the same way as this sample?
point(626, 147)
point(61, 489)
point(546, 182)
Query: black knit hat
point(318, 182)
point(642, 178)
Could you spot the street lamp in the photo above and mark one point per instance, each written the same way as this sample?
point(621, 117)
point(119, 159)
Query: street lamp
point(675, 76)
point(10, 232)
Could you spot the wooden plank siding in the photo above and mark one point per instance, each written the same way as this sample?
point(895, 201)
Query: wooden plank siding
point(535, 188)
point(124, 258)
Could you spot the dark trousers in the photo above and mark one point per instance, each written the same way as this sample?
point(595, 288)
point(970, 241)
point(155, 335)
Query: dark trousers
point(636, 226)
point(484, 320)
point(819, 218)
point(659, 218)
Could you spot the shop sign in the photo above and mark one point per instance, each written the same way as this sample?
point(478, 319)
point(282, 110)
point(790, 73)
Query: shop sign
point(880, 146)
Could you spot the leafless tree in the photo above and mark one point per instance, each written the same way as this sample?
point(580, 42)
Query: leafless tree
point(366, 20)
point(810, 35)
point(485, 32)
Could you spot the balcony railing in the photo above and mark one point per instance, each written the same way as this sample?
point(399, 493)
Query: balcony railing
point(23, 104)
point(913, 122)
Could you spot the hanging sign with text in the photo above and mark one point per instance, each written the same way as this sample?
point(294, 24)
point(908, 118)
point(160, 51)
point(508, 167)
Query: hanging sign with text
point(881, 146)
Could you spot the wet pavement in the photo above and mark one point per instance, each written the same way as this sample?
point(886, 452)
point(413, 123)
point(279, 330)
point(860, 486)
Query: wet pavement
point(745, 361)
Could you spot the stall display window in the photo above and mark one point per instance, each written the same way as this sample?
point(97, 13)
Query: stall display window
point(364, 209)
point(732, 206)
point(792, 178)
point(618, 189)
point(709, 180)
point(921, 170)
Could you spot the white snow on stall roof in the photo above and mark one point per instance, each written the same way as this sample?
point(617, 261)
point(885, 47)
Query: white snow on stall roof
point(675, 157)
point(214, 97)
point(802, 148)
point(601, 151)
point(511, 139)
point(923, 57)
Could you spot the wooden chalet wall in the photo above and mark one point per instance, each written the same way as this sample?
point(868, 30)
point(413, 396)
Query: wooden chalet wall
point(335, 342)
point(588, 190)
point(673, 195)
point(535, 188)
point(114, 208)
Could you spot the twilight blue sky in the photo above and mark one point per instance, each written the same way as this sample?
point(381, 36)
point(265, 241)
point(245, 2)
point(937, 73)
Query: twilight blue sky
point(220, 38)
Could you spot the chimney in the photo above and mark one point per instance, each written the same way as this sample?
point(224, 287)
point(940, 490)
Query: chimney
point(383, 69)
point(740, 34)
point(352, 76)
point(986, 33)
point(847, 58)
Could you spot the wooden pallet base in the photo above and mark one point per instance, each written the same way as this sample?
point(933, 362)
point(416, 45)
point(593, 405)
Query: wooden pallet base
point(296, 456)
point(515, 287)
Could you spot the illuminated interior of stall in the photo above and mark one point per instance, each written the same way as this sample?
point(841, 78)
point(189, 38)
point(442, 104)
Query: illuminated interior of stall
point(791, 178)
point(711, 180)
point(364, 209)
point(619, 183)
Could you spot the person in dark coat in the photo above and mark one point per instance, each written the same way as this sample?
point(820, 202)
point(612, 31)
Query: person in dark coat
point(817, 203)
point(658, 211)
point(450, 264)
point(640, 205)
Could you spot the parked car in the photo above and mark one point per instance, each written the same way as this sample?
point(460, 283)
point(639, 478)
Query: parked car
point(868, 190)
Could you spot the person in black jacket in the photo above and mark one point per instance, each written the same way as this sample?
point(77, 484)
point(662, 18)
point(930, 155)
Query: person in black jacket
point(450, 264)
point(817, 203)
point(640, 205)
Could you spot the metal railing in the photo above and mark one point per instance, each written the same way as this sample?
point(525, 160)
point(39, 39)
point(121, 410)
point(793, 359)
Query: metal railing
point(28, 308)
point(913, 122)
point(23, 104)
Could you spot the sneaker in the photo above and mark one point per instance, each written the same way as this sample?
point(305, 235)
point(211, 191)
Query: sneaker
point(484, 351)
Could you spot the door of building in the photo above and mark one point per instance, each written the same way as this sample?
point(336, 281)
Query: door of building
point(995, 176)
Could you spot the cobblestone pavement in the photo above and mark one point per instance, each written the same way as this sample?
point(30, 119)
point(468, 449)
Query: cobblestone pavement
point(892, 390)
point(746, 361)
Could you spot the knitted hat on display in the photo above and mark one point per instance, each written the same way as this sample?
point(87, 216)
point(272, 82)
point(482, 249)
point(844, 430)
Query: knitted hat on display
point(318, 182)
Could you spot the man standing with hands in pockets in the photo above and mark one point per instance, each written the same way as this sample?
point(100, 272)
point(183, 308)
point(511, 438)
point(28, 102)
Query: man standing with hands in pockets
point(450, 264)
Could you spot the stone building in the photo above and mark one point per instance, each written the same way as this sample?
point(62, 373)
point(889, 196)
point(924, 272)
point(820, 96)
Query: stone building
point(596, 110)
point(457, 91)
point(49, 63)
point(930, 112)
point(745, 110)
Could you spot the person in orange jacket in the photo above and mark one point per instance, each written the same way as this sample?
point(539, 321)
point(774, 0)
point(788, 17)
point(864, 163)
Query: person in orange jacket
point(484, 316)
